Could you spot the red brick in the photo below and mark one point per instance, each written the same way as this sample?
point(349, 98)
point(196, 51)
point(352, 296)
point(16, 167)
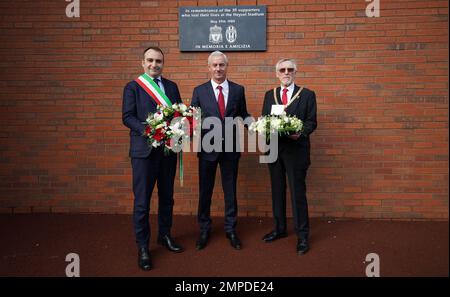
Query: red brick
point(380, 150)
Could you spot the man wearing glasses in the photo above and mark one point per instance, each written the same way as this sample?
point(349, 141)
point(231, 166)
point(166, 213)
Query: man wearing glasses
point(293, 154)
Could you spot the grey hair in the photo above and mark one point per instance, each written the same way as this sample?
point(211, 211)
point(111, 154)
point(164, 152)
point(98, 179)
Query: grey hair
point(277, 66)
point(215, 54)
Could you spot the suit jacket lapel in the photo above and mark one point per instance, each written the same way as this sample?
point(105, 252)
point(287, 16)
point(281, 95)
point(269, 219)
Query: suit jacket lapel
point(277, 98)
point(230, 98)
point(168, 90)
point(293, 104)
point(212, 99)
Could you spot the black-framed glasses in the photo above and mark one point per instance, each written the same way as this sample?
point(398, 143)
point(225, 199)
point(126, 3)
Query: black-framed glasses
point(283, 70)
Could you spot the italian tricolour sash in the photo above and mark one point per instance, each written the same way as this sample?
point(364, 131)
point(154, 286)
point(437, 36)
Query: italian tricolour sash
point(147, 83)
point(151, 88)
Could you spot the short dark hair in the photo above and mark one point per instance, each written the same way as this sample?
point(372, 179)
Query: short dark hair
point(155, 48)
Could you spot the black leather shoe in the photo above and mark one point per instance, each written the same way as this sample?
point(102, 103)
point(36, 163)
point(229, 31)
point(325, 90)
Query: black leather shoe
point(234, 240)
point(302, 246)
point(202, 240)
point(274, 235)
point(144, 259)
point(169, 243)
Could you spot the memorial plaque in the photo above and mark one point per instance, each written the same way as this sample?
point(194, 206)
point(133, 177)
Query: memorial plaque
point(224, 28)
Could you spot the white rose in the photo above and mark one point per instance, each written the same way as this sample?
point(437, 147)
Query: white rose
point(159, 116)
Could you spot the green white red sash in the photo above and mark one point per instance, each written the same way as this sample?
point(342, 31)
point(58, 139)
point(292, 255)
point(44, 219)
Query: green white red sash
point(147, 83)
point(154, 91)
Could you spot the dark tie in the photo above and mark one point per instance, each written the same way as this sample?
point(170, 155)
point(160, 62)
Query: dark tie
point(156, 80)
point(221, 101)
point(284, 97)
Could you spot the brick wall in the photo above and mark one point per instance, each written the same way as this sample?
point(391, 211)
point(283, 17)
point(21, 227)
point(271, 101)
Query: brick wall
point(380, 150)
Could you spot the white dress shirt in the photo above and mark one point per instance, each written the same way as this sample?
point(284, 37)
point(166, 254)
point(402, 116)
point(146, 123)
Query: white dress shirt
point(225, 90)
point(160, 83)
point(289, 92)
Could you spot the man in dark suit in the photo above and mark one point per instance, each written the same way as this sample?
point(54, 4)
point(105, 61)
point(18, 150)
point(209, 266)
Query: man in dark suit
point(293, 154)
point(218, 99)
point(150, 165)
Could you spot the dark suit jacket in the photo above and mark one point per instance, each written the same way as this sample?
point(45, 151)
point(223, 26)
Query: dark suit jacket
point(304, 108)
point(203, 97)
point(137, 104)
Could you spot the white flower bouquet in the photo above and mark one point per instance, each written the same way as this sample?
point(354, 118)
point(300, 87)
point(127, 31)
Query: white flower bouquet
point(282, 124)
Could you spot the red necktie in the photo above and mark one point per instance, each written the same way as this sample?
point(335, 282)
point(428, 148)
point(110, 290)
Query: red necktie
point(221, 101)
point(284, 97)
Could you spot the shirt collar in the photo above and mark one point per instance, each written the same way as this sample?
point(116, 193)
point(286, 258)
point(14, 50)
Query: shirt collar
point(224, 84)
point(290, 88)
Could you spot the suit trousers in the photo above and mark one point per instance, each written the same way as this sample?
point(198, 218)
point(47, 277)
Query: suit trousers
point(229, 172)
point(295, 169)
point(156, 168)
